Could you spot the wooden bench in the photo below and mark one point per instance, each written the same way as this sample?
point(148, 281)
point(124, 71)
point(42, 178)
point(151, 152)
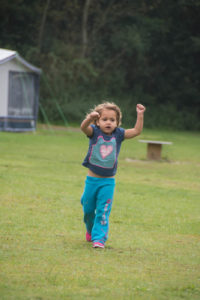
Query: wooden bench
point(154, 148)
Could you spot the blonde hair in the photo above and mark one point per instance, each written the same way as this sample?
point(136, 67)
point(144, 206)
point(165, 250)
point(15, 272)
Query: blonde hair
point(108, 105)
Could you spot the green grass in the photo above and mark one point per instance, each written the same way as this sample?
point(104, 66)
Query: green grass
point(153, 250)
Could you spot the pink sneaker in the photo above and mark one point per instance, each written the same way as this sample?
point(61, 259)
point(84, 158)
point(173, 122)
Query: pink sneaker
point(98, 245)
point(88, 237)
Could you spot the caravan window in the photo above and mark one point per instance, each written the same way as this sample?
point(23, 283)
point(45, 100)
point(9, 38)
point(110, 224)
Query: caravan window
point(23, 89)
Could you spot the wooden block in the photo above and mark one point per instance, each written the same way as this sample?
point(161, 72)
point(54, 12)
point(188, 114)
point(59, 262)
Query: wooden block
point(154, 151)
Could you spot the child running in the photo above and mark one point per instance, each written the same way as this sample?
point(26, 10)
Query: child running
point(101, 126)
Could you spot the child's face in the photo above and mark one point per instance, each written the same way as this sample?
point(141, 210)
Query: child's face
point(107, 121)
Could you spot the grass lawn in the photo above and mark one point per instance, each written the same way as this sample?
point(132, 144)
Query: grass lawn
point(153, 250)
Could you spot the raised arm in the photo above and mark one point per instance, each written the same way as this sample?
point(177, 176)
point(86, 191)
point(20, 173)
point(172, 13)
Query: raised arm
point(132, 132)
point(85, 125)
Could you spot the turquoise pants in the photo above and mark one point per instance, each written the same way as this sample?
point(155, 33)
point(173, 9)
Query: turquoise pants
point(97, 201)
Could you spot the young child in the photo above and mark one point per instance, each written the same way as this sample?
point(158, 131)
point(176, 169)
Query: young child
point(101, 126)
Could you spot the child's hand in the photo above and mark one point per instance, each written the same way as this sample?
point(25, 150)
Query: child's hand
point(140, 108)
point(94, 115)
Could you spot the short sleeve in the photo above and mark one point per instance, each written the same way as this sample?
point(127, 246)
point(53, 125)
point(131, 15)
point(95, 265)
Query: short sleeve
point(95, 131)
point(120, 134)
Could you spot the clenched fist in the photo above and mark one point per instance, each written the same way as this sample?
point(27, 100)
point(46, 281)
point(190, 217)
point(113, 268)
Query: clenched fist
point(140, 108)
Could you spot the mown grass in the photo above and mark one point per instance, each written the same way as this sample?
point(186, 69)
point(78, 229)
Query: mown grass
point(154, 242)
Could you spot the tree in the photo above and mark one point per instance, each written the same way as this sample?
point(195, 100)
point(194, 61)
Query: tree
point(128, 51)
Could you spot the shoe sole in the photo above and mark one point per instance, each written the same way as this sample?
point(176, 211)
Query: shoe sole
point(98, 246)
